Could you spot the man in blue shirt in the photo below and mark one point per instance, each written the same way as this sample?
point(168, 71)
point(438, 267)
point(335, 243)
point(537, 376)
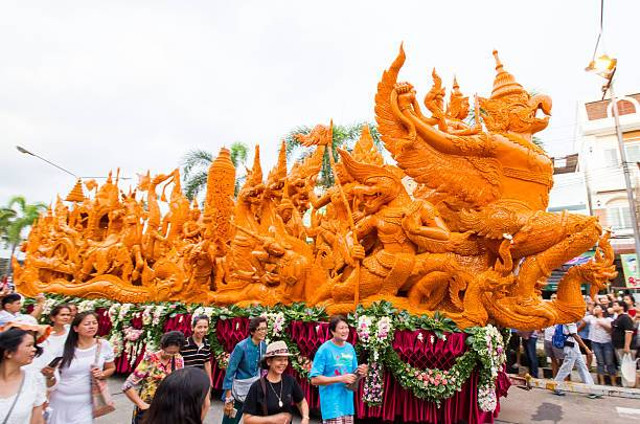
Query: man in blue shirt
point(334, 367)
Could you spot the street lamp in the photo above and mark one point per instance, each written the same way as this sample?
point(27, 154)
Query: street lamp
point(26, 152)
point(605, 67)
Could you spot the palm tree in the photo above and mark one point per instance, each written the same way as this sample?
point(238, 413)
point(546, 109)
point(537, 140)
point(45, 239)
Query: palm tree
point(195, 168)
point(344, 136)
point(14, 220)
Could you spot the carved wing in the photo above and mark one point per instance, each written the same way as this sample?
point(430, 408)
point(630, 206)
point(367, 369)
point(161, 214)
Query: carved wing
point(473, 180)
point(309, 167)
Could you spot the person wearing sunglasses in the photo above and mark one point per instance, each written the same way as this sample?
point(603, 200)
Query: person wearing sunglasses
point(150, 372)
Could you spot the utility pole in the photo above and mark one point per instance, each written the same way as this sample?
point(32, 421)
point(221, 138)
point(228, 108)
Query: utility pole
point(626, 172)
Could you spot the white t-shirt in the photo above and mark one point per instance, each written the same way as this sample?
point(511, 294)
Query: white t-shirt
point(597, 333)
point(75, 380)
point(34, 393)
point(548, 333)
point(50, 347)
point(571, 329)
point(7, 317)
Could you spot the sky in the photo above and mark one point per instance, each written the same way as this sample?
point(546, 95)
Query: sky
point(95, 85)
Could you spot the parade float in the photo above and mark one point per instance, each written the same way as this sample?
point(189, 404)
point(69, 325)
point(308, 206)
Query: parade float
point(429, 257)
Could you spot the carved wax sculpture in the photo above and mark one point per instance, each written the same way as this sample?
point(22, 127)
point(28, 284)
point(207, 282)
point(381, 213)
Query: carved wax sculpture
point(473, 241)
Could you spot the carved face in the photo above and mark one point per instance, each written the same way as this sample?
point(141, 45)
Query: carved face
point(517, 113)
point(274, 249)
point(377, 192)
point(275, 188)
point(252, 195)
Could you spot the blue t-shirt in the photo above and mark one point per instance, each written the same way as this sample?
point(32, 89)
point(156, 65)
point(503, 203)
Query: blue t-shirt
point(330, 361)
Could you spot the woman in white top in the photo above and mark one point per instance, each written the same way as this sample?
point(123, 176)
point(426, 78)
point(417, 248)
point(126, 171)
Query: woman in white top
point(70, 400)
point(22, 392)
point(60, 317)
point(600, 336)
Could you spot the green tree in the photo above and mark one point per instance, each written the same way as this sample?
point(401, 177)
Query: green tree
point(195, 168)
point(344, 136)
point(15, 218)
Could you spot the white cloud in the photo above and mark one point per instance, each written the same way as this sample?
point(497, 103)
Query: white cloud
point(95, 85)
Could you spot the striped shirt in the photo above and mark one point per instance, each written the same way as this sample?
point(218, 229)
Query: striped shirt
point(195, 356)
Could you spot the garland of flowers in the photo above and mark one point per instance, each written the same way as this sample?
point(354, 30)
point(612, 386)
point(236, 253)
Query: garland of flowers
point(488, 343)
point(375, 327)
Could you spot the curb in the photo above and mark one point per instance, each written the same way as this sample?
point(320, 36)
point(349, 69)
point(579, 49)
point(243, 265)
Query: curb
point(529, 382)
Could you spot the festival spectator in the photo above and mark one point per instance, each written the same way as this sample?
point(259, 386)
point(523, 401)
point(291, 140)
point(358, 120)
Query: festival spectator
point(631, 303)
point(334, 367)
point(556, 355)
point(74, 310)
point(84, 356)
point(514, 351)
point(605, 303)
point(583, 332)
point(182, 397)
point(60, 318)
point(272, 396)
point(600, 336)
point(622, 330)
point(243, 370)
point(154, 367)
point(196, 351)
point(573, 357)
point(529, 341)
point(11, 306)
point(22, 391)
point(4, 288)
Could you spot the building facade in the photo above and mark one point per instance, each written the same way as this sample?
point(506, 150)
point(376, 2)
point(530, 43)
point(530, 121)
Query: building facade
point(600, 162)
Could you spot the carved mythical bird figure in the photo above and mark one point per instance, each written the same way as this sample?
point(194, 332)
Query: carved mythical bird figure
point(495, 184)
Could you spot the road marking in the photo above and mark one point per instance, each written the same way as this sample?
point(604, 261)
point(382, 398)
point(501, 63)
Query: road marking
point(628, 412)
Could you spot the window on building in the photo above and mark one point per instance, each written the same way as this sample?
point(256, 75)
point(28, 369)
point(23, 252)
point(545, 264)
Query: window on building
point(611, 158)
point(559, 162)
point(625, 107)
point(633, 152)
point(618, 215)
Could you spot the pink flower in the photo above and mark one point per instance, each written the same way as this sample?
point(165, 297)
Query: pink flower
point(437, 383)
point(444, 381)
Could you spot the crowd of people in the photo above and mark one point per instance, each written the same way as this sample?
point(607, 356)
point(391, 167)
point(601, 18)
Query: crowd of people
point(607, 334)
point(48, 373)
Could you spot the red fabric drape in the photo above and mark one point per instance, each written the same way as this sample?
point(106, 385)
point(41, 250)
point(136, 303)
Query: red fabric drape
point(398, 404)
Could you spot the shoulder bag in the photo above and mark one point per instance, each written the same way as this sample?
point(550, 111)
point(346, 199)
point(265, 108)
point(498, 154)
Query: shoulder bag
point(240, 387)
point(100, 397)
point(263, 384)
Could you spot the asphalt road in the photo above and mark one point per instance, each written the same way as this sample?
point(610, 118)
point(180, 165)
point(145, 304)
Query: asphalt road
point(124, 408)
